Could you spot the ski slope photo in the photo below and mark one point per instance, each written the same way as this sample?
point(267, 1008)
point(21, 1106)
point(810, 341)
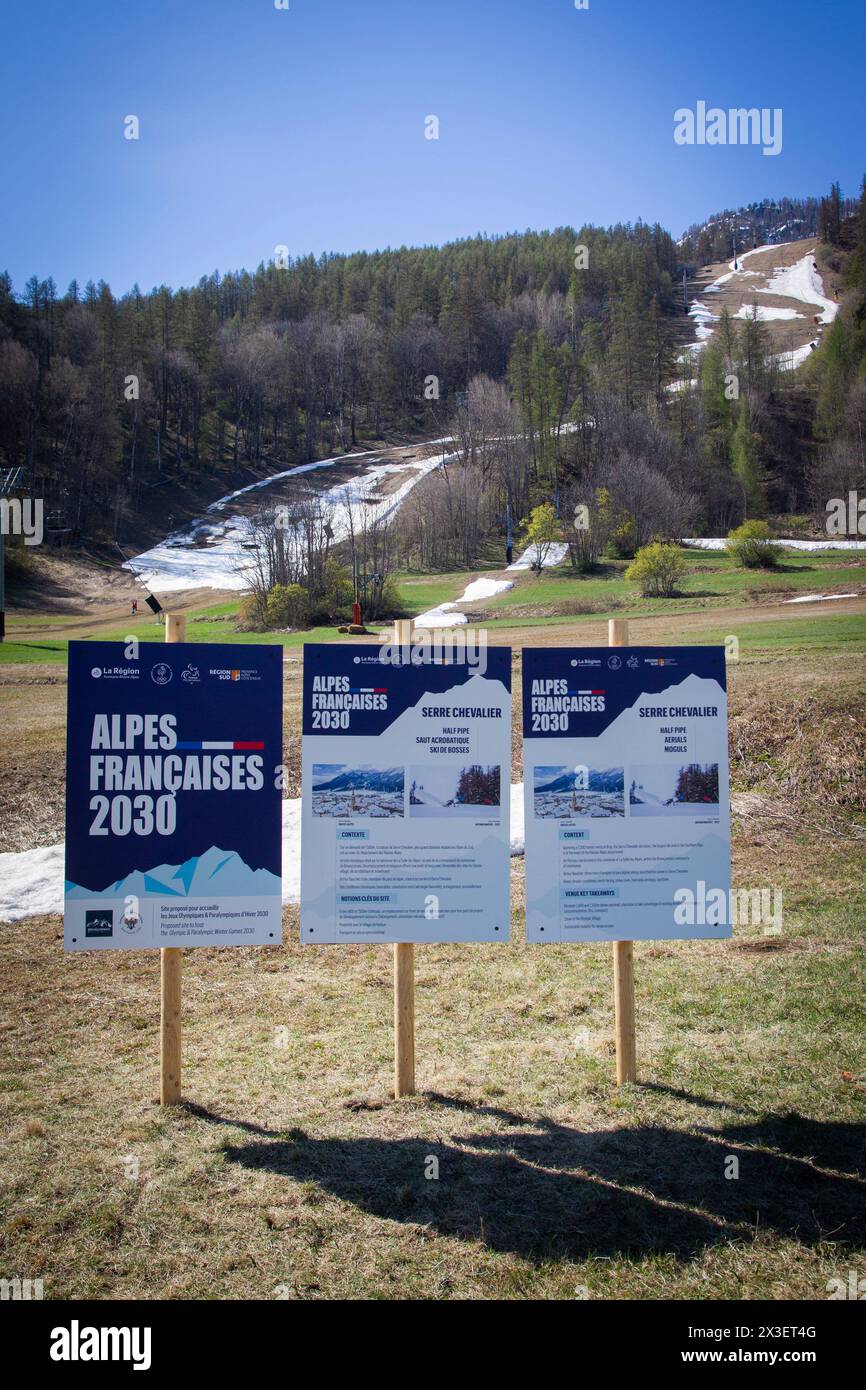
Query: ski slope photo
point(675, 790)
point(454, 791)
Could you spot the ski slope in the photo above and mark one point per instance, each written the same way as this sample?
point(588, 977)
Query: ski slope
point(215, 554)
point(802, 281)
point(720, 543)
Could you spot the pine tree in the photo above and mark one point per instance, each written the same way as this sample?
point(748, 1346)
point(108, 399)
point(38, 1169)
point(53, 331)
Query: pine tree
point(746, 465)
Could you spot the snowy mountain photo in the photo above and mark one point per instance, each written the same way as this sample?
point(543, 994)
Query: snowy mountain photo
point(560, 792)
point(343, 790)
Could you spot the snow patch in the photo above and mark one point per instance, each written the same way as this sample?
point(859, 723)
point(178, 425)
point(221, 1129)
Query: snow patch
point(446, 616)
point(802, 281)
point(765, 315)
point(704, 318)
point(788, 361)
point(518, 838)
point(31, 883)
point(720, 543)
point(819, 598)
point(555, 556)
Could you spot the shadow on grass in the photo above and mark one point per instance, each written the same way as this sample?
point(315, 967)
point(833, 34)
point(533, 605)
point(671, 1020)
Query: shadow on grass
point(543, 1190)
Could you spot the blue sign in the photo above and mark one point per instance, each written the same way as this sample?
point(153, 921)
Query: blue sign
point(173, 802)
point(580, 691)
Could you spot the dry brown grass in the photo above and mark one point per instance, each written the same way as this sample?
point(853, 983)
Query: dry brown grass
point(801, 762)
point(290, 1166)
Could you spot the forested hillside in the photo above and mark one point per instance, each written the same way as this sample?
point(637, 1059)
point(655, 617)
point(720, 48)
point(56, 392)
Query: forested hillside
point(764, 223)
point(550, 357)
point(289, 362)
point(737, 437)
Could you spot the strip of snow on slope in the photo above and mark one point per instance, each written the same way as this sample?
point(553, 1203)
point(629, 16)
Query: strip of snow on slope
point(704, 318)
point(555, 556)
point(216, 555)
point(720, 543)
point(818, 598)
point(446, 614)
point(735, 268)
point(764, 314)
point(802, 281)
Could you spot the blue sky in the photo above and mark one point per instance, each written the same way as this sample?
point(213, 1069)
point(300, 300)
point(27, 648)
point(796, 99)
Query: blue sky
point(305, 127)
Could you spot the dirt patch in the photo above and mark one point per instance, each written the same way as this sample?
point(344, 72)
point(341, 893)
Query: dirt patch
point(563, 608)
point(32, 793)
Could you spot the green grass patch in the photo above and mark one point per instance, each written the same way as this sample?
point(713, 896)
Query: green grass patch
point(804, 634)
point(421, 592)
point(717, 583)
point(197, 630)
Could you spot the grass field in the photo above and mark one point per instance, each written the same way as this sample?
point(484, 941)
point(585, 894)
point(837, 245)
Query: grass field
point(710, 580)
point(711, 583)
point(289, 1168)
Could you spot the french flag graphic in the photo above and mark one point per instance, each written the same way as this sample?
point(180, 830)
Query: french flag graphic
point(211, 745)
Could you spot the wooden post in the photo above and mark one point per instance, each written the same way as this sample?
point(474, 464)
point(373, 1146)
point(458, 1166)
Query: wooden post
point(170, 966)
point(404, 973)
point(404, 1019)
point(623, 951)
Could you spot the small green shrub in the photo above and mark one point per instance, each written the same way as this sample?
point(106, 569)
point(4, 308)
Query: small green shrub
point(288, 606)
point(657, 568)
point(249, 617)
point(751, 546)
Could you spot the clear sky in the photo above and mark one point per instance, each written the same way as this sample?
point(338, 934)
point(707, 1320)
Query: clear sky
point(305, 127)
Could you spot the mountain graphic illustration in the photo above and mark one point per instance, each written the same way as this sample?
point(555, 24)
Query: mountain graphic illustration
point(217, 873)
point(373, 779)
point(609, 781)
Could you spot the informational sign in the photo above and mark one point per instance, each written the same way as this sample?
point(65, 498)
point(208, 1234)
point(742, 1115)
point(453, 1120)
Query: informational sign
point(625, 759)
point(173, 804)
point(406, 792)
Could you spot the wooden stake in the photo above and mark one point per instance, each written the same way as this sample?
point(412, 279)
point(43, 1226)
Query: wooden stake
point(404, 1019)
point(170, 966)
point(169, 1024)
point(404, 973)
point(623, 1004)
point(623, 951)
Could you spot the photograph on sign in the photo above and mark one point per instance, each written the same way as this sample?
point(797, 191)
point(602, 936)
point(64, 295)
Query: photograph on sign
point(405, 798)
point(625, 761)
point(173, 810)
